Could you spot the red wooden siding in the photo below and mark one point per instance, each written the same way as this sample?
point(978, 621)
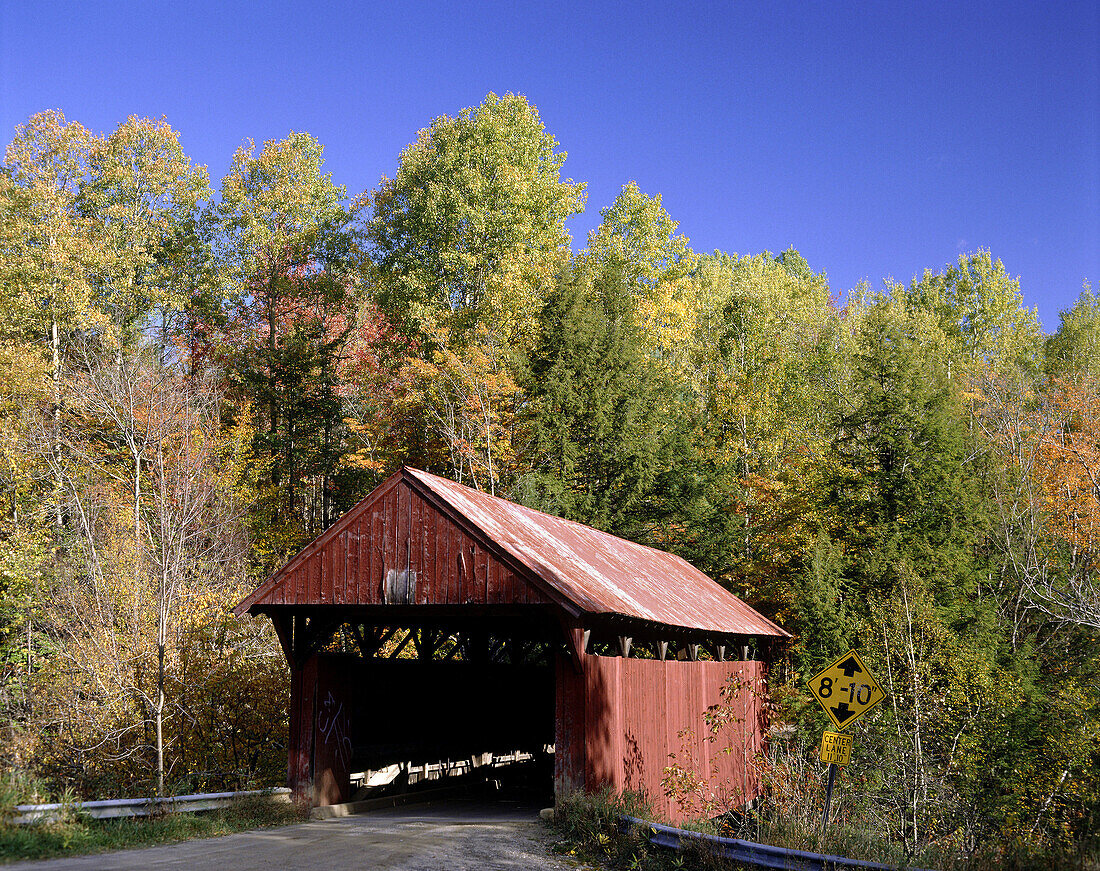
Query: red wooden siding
point(638, 712)
point(569, 728)
point(332, 749)
point(303, 690)
point(616, 720)
point(616, 725)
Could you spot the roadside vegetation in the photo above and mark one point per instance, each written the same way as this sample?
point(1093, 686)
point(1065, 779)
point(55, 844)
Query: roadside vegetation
point(75, 835)
point(590, 829)
point(197, 378)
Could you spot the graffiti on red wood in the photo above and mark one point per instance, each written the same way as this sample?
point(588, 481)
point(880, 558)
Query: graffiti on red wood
point(332, 725)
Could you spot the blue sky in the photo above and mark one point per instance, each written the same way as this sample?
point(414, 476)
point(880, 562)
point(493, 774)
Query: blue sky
point(877, 138)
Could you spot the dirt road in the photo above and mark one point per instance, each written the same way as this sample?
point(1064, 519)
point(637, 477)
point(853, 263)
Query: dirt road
point(448, 837)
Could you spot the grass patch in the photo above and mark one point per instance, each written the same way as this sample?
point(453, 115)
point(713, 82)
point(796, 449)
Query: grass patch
point(589, 828)
point(79, 835)
point(844, 837)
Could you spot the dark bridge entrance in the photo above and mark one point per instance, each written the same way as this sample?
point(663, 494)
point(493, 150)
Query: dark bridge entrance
point(447, 697)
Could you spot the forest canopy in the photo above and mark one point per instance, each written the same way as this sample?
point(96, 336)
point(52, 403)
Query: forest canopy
point(197, 380)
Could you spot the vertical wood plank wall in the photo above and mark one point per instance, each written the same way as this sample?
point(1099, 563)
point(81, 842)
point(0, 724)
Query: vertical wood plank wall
point(616, 723)
point(332, 742)
point(636, 713)
point(319, 751)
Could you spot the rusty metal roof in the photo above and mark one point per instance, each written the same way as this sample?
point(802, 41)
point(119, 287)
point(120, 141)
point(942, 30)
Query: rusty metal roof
point(585, 570)
point(599, 572)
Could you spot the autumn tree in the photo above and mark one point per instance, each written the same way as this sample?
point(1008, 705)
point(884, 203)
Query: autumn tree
point(286, 240)
point(88, 223)
point(637, 237)
point(759, 355)
point(467, 238)
point(1075, 347)
point(93, 225)
point(50, 251)
point(49, 241)
point(1070, 477)
point(382, 398)
point(143, 196)
point(101, 239)
point(24, 480)
point(27, 532)
point(979, 308)
point(1048, 495)
point(471, 229)
point(116, 618)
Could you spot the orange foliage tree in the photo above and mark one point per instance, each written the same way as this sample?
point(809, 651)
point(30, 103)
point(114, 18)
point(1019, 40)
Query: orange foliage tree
point(1048, 498)
point(1069, 474)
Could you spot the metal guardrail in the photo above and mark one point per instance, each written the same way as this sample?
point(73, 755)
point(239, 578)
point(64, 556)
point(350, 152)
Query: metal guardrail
point(142, 807)
point(749, 852)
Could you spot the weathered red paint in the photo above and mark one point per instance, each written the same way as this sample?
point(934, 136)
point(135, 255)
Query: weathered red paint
point(303, 691)
point(348, 565)
point(332, 748)
point(569, 722)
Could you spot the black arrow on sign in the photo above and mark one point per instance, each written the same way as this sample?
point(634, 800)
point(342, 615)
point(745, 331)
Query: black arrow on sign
point(843, 712)
point(849, 666)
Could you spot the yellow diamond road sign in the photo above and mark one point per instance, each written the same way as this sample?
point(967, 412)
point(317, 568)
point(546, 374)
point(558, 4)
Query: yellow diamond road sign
point(846, 689)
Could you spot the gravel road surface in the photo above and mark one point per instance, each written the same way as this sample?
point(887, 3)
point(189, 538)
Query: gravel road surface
point(454, 836)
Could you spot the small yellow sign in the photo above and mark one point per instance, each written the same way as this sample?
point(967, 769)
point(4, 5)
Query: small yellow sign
point(836, 748)
point(846, 690)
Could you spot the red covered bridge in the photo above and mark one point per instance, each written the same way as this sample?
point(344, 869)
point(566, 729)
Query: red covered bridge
point(529, 631)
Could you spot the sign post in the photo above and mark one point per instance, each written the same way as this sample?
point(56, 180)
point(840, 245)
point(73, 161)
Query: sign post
point(847, 690)
point(836, 749)
point(828, 796)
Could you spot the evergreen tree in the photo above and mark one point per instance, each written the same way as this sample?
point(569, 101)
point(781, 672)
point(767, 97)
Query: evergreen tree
point(603, 420)
point(906, 480)
point(760, 351)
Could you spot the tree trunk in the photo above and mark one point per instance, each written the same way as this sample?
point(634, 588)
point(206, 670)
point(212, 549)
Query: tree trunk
point(327, 471)
point(137, 511)
point(273, 406)
point(160, 718)
point(290, 473)
point(55, 346)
